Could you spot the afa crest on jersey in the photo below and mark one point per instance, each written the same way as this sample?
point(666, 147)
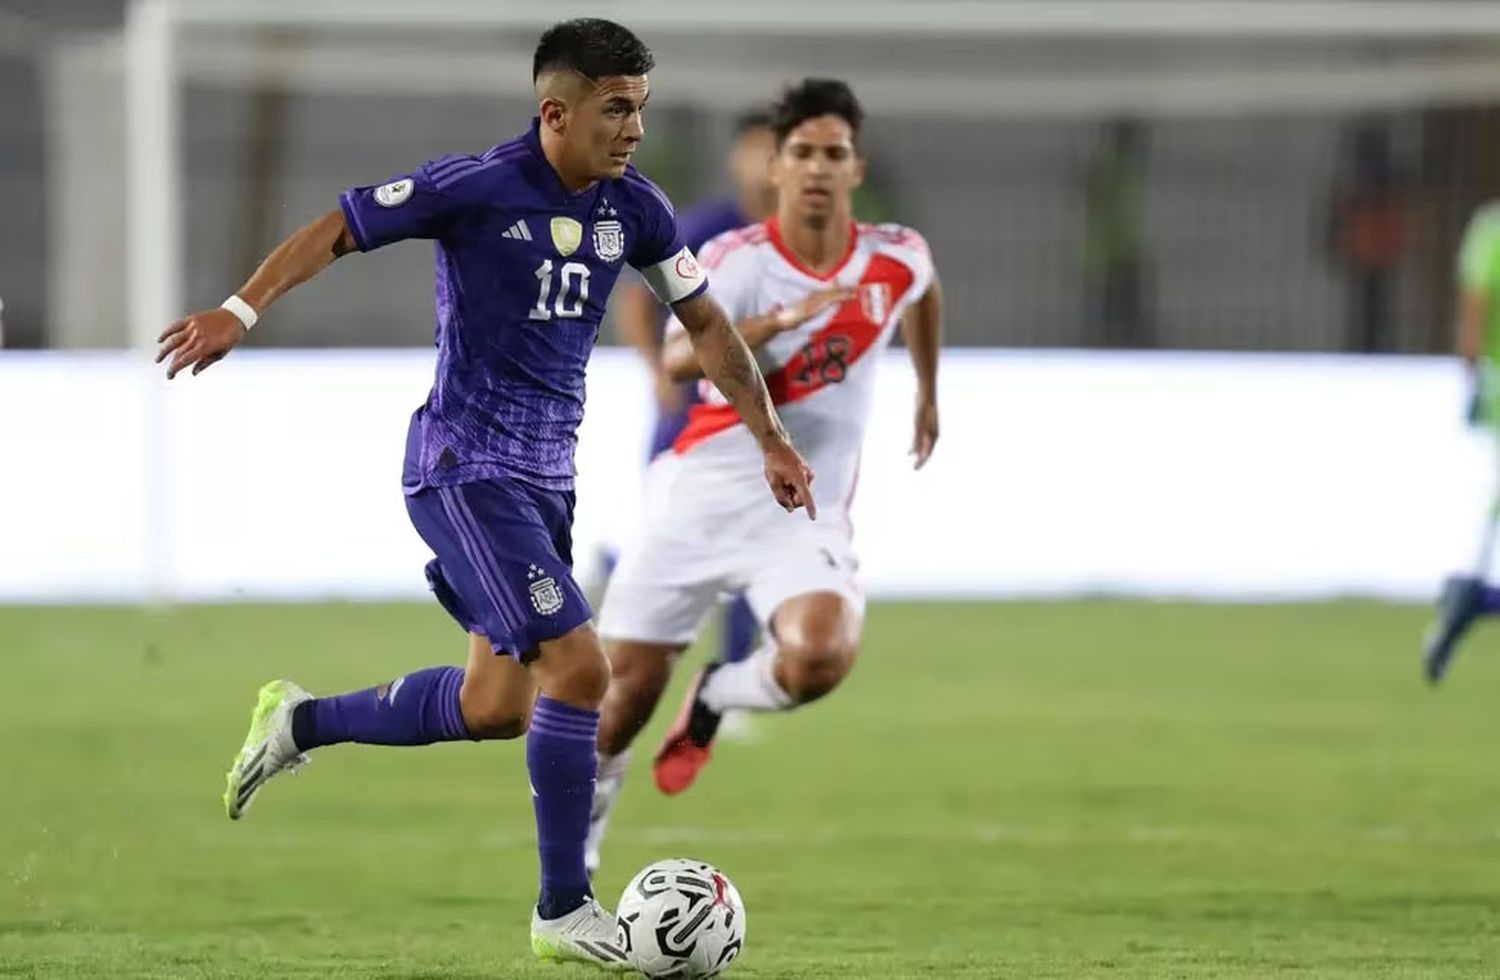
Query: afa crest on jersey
point(609, 240)
point(875, 301)
point(567, 235)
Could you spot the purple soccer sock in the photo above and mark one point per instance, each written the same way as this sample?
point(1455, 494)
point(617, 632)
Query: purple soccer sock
point(561, 760)
point(1489, 599)
point(418, 709)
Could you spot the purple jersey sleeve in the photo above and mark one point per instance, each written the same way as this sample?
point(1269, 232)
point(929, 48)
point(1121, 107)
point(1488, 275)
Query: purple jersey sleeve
point(660, 238)
point(664, 260)
point(418, 205)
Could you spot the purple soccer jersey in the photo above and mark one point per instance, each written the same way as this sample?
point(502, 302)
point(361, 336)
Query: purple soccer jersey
point(524, 269)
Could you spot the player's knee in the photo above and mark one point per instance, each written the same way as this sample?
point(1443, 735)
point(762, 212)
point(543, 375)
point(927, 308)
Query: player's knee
point(489, 714)
point(811, 669)
point(586, 677)
point(574, 670)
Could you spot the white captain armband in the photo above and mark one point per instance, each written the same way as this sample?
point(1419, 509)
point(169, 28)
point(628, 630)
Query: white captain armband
point(675, 278)
point(242, 310)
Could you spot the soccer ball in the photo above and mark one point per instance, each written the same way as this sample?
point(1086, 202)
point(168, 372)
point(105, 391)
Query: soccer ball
point(681, 919)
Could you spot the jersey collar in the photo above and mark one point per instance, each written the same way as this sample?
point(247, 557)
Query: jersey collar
point(773, 228)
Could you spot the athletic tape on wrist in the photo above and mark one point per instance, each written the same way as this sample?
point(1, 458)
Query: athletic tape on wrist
point(242, 310)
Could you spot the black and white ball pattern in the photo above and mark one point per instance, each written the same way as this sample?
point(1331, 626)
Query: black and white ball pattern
point(681, 919)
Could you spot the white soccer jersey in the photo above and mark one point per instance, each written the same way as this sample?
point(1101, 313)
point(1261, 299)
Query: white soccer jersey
point(821, 375)
point(711, 525)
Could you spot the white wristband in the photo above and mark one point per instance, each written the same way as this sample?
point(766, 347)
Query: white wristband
point(242, 310)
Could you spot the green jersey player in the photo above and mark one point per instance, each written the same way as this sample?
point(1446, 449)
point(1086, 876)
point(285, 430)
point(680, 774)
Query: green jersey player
point(1468, 597)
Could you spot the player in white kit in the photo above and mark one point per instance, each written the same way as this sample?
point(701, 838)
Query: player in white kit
point(818, 297)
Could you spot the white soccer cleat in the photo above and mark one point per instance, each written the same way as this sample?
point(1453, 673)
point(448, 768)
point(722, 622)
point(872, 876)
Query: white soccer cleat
point(588, 934)
point(607, 786)
point(268, 747)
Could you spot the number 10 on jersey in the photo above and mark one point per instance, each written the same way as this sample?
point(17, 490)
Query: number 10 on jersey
point(572, 291)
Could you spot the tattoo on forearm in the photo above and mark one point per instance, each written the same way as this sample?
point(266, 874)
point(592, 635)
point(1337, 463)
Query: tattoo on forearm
point(738, 369)
point(725, 358)
point(741, 381)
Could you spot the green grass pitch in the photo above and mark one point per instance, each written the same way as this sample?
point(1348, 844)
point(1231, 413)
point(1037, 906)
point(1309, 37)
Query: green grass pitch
point(1069, 790)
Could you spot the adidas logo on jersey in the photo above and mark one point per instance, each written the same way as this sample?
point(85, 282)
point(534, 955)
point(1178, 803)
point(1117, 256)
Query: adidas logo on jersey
point(518, 231)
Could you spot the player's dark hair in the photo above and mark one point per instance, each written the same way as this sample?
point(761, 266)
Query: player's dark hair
point(750, 120)
point(593, 47)
point(814, 97)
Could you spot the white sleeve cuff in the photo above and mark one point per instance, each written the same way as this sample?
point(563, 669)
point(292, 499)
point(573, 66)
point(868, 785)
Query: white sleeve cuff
point(676, 277)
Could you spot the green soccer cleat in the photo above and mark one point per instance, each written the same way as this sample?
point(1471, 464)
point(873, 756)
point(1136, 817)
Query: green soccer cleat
point(268, 747)
point(588, 934)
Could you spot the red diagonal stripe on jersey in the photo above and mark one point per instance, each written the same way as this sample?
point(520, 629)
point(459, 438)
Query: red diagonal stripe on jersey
point(804, 373)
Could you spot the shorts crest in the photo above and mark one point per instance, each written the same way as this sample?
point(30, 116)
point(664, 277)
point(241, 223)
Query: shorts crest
point(546, 597)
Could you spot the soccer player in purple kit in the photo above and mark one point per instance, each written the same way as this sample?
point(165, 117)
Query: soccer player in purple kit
point(530, 236)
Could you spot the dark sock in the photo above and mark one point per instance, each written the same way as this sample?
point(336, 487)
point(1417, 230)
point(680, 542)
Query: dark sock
point(418, 709)
point(562, 763)
point(739, 631)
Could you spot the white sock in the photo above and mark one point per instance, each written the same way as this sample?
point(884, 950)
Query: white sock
point(606, 791)
point(613, 766)
point(749, 684)
point(1489, 555)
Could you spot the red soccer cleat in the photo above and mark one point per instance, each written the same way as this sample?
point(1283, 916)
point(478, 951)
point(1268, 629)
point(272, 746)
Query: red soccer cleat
point(689, 742)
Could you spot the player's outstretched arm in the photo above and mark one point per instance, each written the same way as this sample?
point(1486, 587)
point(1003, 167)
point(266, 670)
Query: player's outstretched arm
point(922, 328)
point(681, 360)
point(729, 365)
point(200, 339)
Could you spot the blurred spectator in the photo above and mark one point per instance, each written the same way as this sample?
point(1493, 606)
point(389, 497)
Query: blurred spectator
point(1367, 238)
point(1114, 252)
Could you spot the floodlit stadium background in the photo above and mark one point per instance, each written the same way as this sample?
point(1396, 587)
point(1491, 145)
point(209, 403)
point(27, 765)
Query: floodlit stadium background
point(155, 150)
point(1139, 694)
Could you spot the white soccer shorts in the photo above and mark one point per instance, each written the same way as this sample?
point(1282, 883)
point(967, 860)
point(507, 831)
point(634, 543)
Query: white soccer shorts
point(665, 584)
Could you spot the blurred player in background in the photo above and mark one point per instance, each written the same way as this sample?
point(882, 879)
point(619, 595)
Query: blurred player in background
point(818, 297)
point(1466, 598)
point(530, 237)
point(641, 318)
